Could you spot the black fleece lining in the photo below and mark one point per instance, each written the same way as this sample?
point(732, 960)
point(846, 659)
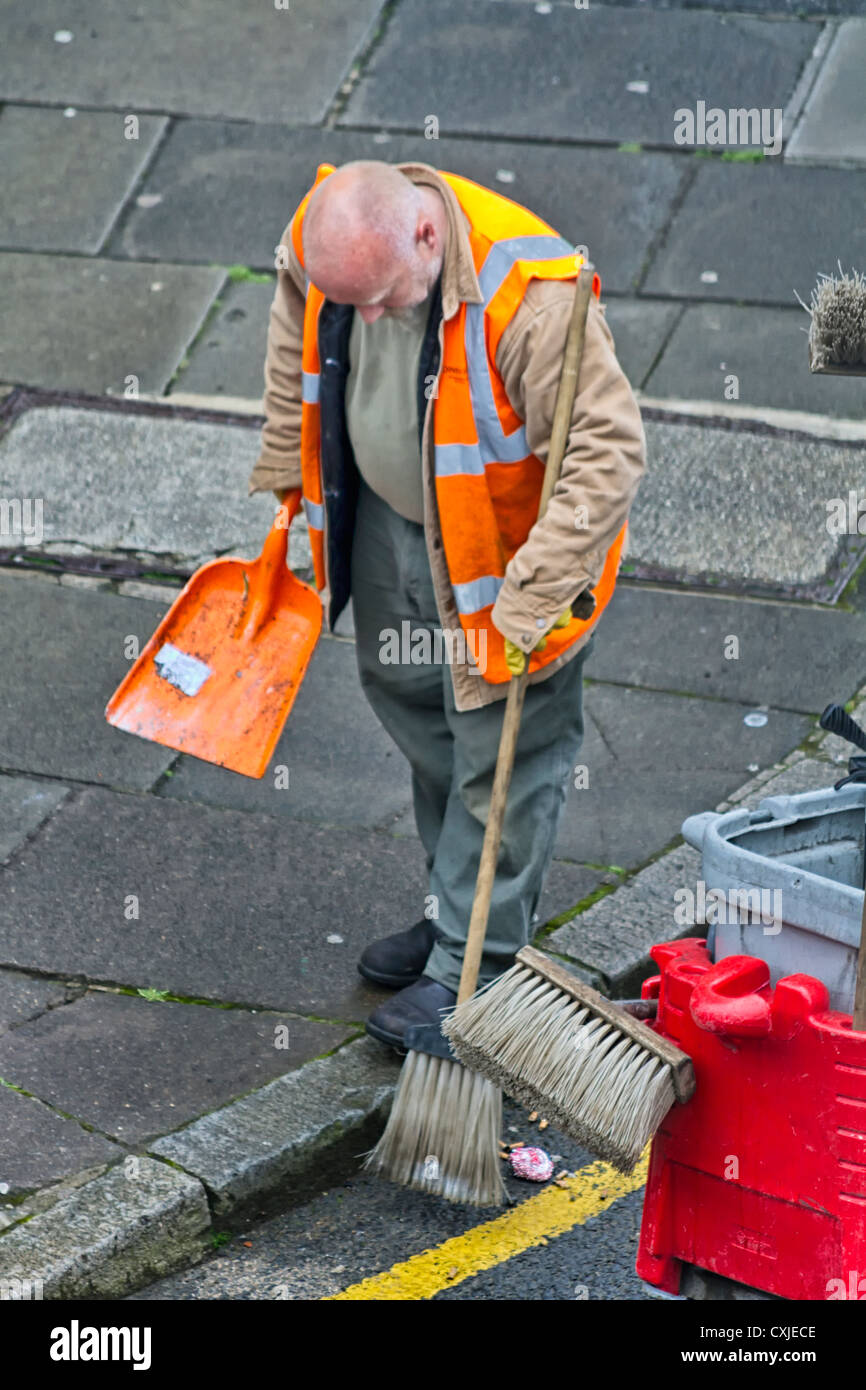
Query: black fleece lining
point(340, 476)
point(428, 362)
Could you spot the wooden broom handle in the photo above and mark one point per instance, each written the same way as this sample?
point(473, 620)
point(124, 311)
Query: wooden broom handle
point(517, 687)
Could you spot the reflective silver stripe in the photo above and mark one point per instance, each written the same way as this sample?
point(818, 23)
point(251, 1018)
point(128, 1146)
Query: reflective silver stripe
point(503, 254)
point(478, 593)
point(315, 514)
point(310, 387)
point(458, 458)
point(493, 444)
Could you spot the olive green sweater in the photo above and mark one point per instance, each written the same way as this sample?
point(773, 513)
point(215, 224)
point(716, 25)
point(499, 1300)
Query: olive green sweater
point(382, 406)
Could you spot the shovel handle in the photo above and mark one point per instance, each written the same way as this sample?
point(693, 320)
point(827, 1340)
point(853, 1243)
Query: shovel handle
point(276, 546)
point(270, 566)
point(517, 687)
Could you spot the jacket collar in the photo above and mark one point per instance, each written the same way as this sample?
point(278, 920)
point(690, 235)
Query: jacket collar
point(459, 281)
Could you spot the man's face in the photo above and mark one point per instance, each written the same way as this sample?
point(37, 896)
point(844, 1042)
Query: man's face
point(392, 293)
point(402, 292)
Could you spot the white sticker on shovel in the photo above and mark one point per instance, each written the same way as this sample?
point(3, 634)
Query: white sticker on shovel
point(185, 673)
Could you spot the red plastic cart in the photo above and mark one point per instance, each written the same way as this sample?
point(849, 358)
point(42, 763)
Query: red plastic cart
point(761, 1176)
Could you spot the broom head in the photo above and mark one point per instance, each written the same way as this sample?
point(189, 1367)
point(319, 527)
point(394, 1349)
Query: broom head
point(837, 333)
point(442, 1135)
point(561, 1048)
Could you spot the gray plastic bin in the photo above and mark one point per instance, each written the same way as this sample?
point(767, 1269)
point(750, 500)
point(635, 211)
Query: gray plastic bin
point(806, 853)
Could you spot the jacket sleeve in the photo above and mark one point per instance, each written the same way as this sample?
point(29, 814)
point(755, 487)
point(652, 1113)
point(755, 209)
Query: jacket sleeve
point(605, 457)
point(279, 462)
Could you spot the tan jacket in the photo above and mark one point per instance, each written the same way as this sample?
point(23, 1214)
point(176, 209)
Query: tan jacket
point(605, 458)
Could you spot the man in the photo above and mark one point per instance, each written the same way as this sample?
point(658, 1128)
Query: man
point(414, 354)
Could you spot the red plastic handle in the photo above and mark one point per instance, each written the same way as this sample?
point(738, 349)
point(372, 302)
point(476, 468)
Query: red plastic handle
point(734, 998)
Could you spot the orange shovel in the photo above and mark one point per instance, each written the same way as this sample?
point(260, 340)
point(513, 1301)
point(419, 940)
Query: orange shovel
point(218, 677)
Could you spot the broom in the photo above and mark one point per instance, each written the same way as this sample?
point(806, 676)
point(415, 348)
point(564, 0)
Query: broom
point(443, 1131)
point(837, 333)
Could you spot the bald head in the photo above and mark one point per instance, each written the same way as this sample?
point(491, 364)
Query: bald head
point(374, 239)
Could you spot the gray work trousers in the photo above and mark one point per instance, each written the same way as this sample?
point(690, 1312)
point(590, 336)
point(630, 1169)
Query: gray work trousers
point(453, 754)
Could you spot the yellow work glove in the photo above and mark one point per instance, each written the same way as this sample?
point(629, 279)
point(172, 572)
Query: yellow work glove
point(515, 658)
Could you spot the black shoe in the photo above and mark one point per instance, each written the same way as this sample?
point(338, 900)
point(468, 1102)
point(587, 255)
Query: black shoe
point(397, 961)
point(420, 1003)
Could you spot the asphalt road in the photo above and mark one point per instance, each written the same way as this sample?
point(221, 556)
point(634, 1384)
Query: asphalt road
point(351, 1233)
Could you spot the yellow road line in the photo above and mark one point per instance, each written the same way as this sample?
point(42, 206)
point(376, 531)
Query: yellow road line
point(548, 1214)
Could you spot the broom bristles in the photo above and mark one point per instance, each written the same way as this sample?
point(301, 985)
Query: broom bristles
point(442, 1134)
point(837, 333)
point(555, 1055)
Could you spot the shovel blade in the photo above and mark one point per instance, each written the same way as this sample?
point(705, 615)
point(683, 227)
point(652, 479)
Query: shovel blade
point(205, 684)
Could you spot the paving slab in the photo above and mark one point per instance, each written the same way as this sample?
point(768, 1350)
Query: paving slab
point(219, 198)
point(832, 128)
point(213, 58)
point(64, 655)
point(24, 805)
point(38, 1146)
point(640, 329)
point(565, 886)
point(761, 354)
point(233, 906)
point(112, 1060)
point(229, 357)
point(632, 70)
point(319, 895)
point(612, 937)
point(789, 656)
point(610, 822)
point(88, 325)
point(749, 506)
point(23, 997)
point(669, 752)
point(761, 232)
point(84, 153)
point(291, 1135)
point(116, 481)
point(340, 765)
point(140, 1221)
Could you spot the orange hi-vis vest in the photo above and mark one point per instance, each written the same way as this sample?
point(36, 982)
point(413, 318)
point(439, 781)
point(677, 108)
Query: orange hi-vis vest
point(488, 482)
